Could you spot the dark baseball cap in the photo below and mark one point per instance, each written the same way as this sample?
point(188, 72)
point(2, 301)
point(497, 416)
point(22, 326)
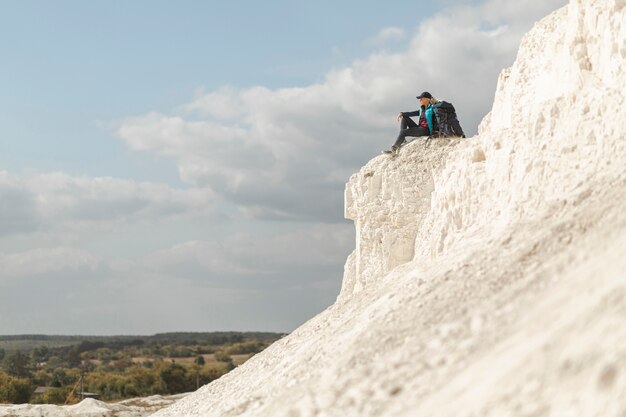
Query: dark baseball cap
point(425, 94)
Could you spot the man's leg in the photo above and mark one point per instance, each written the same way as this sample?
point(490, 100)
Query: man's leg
point(406, 124)
point(414, 131)
point(399, 141)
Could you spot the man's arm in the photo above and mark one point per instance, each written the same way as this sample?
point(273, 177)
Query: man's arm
point(410, 113)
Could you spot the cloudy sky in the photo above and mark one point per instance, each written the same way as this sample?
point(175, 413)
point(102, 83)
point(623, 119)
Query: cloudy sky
point(179, 166)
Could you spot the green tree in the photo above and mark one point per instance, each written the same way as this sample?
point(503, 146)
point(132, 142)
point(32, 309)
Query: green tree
point(2, 353)
point(41, 377)
point(222, 356)
point(59, 396)
point(72, 357)
point(59, 378)
point(175, 378)
point(17, 364)
point(40, 354)
point(14, 390)
point(208, 374)
point(144, 381)
point(251, 346)
point(199, 360)
point(55, 361)
point(121, 364)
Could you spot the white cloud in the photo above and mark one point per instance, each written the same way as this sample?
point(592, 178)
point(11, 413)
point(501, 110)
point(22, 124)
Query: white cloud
point(241, 282)
point(57, 201)
point(17, 209)
point(516, 13)
point(388, 34)
point(42, 261)
point(243, 256)
point(222, 104)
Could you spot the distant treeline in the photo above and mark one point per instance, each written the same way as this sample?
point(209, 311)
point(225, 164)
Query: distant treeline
point(26, 342)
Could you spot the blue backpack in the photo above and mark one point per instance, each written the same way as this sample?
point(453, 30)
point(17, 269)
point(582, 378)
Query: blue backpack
point(446, 122)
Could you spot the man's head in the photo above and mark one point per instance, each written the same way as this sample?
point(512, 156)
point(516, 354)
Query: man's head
point(424, 98)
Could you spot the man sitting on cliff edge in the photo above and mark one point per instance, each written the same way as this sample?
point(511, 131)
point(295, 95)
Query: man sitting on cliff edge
point(408, 127)
point(437, 118)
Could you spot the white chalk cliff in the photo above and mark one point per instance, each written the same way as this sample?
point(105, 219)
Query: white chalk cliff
point(489, 274)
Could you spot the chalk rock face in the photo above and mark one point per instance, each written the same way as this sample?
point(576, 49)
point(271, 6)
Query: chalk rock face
point(489, 273)
point(387, 200)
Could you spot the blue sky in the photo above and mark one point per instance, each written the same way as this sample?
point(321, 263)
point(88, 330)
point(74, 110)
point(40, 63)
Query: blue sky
point(179, 166)
point(71, 67)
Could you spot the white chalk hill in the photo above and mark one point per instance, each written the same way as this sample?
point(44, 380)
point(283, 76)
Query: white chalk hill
point(489, 275)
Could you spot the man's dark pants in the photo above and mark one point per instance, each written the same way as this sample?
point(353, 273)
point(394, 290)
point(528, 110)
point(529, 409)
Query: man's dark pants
point(409, 128)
